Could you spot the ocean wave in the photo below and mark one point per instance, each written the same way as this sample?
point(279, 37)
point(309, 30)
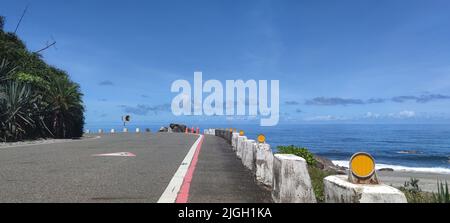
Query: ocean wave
point(345, 163)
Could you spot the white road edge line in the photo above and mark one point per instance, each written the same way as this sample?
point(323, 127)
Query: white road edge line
point(4, 146)
point(171, 192)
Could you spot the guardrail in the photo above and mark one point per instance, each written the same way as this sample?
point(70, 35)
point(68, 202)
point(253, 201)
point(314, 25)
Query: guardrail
point(288, 178)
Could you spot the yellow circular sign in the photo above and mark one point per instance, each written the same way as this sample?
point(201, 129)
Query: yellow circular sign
point(241, 133)
point(261, 138)
point(362, 165)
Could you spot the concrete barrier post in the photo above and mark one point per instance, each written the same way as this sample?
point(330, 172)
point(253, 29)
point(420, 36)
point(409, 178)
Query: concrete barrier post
point(339, 190)
point(100, 131)
point(291, 181)
point(248, 158)
point(263, 163)
point(240, 146)
point(234, 139)
point(113, 131)
point(125, 130)
point(138, 130)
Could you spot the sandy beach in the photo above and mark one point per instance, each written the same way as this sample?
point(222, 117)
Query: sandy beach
point(428, 181)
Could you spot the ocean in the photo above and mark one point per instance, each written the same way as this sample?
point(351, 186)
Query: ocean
point(422, 148)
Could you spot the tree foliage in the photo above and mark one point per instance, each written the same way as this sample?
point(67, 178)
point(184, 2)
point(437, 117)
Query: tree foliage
point(36, 99)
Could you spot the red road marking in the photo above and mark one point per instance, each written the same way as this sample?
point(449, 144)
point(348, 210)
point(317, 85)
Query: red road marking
point(183, 194)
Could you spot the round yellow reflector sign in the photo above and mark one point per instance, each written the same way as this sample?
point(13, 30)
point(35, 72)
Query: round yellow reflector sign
point(241, 133)
point(261, 138)
point(362, 165)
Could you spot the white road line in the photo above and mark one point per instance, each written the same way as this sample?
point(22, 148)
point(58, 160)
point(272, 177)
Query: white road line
point(44, 142)
point(171, 192)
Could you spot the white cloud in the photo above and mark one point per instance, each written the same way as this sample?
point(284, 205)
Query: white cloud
point(403, 114)
point(372, 115)
point(326, 118)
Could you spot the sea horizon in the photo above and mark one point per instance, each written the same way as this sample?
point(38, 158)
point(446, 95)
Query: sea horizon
point(401, 147)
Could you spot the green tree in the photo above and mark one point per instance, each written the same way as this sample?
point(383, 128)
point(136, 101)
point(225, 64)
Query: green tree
point(2, 23)
point(65, 106)
point(37, 100)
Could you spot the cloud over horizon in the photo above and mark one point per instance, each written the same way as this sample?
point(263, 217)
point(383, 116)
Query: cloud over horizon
point(421, 99)
point(106, 83)
point(335, 101)
point(142, 109)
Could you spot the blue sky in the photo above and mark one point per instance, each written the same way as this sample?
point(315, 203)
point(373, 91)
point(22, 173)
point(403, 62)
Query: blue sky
point(337, 61)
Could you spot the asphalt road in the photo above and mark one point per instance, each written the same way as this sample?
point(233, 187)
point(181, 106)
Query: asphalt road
point(67, 172)
point(220, 177)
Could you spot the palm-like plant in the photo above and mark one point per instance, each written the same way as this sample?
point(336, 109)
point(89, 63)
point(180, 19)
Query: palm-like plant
point(6, 71)
point(16, 110)
point(65, 106)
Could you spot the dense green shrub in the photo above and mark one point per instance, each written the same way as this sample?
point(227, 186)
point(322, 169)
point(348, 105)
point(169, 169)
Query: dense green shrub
point(414, 193)
point(316, 174)
point(301, 152)
point(36, 99)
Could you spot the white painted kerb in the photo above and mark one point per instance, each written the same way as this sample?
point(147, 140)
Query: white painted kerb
point(248, 158)
point(263, 163)
point(240, 145)
point(171, 192)
point(291, 181)
point(339, 190)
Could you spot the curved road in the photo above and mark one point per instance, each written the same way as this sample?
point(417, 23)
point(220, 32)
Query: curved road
point(69, 171)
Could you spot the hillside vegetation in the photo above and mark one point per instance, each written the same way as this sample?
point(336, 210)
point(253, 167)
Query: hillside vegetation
point(37, 100)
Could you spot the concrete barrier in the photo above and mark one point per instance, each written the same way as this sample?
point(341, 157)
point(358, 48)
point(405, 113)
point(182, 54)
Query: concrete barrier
point(339, 190)
point(240, 146)
point(100, 131)
point(234, 139)
point(210, 132)
point(125, 130)
point(138, 130)
point(263, 163)
point(113, 131)
point(291, 181)
point(229, 136)
point(248, 158)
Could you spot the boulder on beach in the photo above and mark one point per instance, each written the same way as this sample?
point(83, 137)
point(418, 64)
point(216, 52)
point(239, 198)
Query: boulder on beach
point(386, 170)
point(327, 165)
point(178, 128)
point(408, 152)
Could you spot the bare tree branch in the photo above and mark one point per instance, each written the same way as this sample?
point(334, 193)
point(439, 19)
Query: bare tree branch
point(46, 47)
point(20, 21)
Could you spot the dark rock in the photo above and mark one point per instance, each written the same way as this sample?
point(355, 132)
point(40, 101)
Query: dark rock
point(408, 152)
point(178, 128)
point(386, 170)
point(327, 165)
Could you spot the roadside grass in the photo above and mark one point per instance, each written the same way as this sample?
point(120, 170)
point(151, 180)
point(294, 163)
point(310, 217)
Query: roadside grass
point(316, 174)
point(414, 193)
